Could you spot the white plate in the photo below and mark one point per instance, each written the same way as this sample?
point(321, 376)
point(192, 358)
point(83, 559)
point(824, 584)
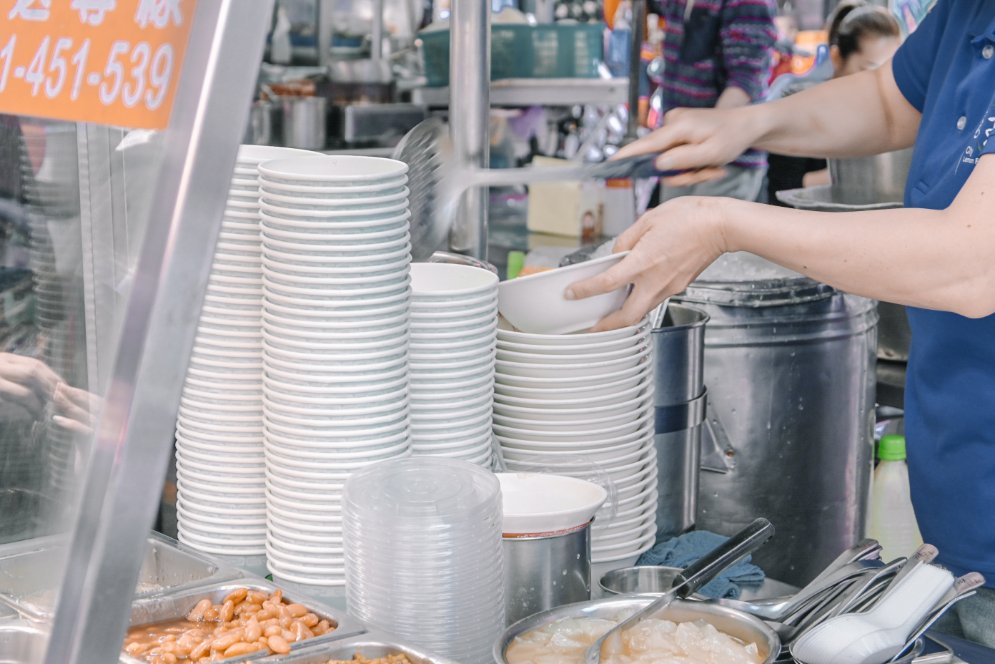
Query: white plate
point(282, 280)
point(365, 244)
point(329, 294)
point(576, 425)
point(384, 187)
point(295, 270)
point(564, 407)
point(338, 170)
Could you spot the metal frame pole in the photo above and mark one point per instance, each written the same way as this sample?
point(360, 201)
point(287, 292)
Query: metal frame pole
point(635, 67)
point(122, 486)
point(469, 116)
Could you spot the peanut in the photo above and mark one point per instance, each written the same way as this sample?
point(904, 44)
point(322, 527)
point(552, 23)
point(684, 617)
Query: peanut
point(236, 595)
point(241, 648)
point(278, 645)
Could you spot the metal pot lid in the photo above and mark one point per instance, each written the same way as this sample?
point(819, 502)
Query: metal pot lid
point(742, 279)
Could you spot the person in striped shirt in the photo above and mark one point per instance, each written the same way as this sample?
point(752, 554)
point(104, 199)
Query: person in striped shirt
point(718, 54)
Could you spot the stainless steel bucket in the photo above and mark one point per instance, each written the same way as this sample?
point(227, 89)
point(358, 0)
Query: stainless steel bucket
point(264, 126)
point(304, 122)
point(679, 399)
point(790, 369)
point(544, 571)
point(868, 180)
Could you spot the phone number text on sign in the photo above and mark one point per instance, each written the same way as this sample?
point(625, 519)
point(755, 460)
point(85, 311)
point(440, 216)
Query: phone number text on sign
point(105, 61)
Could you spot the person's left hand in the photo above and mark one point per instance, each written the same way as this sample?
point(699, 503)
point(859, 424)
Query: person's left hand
point(669, 247)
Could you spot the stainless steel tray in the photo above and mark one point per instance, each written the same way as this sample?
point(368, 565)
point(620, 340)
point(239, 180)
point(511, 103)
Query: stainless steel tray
point(176, 605)
point(28, 584)
point(370, 645)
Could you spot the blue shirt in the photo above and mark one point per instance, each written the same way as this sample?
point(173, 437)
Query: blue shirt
point(946, 70)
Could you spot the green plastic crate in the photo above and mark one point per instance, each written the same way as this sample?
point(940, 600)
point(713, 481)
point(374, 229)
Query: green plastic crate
point(525, 51)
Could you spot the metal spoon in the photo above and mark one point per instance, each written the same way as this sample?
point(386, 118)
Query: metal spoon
point(691, 579)
point(964, 587)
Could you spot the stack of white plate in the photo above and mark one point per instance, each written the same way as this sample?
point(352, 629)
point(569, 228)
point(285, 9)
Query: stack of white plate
point(221, 505)
point(577, 402)
point(453, 332)
point(336, 297)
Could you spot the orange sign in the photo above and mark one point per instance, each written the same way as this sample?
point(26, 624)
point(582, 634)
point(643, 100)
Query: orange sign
point(112, 62)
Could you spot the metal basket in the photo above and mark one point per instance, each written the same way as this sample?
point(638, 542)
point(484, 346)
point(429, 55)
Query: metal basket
point(525, 51)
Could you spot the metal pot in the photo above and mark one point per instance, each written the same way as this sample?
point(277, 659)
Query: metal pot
point(304, 122)
point(679, 399)
point(789, 365)
point(264, 123)
point(647, 579)
point(735, 623)
point(545, 571)
point(869, 180)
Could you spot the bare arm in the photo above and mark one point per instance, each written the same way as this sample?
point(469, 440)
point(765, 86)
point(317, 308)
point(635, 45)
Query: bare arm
point(934, 259)
point(732, 97)
point(820, 122)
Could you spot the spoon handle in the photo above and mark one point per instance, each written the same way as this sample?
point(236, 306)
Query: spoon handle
point(964, 587)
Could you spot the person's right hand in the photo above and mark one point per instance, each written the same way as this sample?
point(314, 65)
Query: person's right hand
point(27, 382)
point(700, 141)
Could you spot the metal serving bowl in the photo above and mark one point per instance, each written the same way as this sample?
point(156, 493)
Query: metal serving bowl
point(734, 623)
point(646, 579)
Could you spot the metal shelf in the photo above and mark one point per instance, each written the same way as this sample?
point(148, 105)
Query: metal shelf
point(540, 92)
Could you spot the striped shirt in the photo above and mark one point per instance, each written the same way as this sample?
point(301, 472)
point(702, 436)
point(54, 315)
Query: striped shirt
point(710, 45)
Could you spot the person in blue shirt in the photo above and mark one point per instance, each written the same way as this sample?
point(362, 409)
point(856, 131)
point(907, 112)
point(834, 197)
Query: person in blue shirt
point(937, 255)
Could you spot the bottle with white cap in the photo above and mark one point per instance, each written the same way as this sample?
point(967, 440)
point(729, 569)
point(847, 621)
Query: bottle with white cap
point(892, 521)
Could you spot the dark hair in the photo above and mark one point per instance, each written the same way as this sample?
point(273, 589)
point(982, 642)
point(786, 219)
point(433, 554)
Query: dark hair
point(852, 21)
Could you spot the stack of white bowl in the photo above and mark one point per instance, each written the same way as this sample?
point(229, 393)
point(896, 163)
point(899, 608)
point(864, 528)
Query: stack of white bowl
point(570, 403)
point(453, 332)
point(336, 296)
point(423, 555)
point(219, 430)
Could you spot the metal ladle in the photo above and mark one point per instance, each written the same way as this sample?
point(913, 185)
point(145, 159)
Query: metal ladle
point(437, 183)
point(689, 580)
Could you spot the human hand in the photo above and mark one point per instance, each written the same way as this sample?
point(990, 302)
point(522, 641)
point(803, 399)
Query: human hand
point(27, 382)
point(76, 409)
point(699, 141)
point(668, 248)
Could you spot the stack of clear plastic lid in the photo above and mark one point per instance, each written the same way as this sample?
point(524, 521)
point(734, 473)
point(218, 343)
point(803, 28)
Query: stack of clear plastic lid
point(423, 554)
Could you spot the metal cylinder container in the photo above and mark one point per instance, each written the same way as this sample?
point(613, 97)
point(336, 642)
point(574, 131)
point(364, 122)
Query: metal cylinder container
point(679, 400)
point(874, 179)
point(790, 369)
point(544, 571)
point(304, 122)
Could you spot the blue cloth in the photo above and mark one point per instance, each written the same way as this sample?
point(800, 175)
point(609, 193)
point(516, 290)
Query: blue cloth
point(683, 550)
point(946, 70)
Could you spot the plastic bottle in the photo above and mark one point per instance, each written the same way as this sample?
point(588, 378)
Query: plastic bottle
point(619, 51)
point(892, 521)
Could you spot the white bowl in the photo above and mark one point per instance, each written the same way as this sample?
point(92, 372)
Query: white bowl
point(331, 245)
point(280, 280)
point(537, 503)
point(579, 439)
point(536, 303)
point(553, 383)
point(329, 295)
point(541, 411)
point(592, 370)
point(606, 459)
point(548, 402)
point(333, 219)
point(509, 333)
point(579, 424)
point(396, 266)
point(382, 187)
point(251, 155)
point(575, 350)
point(568, 360)
point(330, 200)
point(334, 170)
point(611, 392)
point(449, 282)
point(422, 315)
